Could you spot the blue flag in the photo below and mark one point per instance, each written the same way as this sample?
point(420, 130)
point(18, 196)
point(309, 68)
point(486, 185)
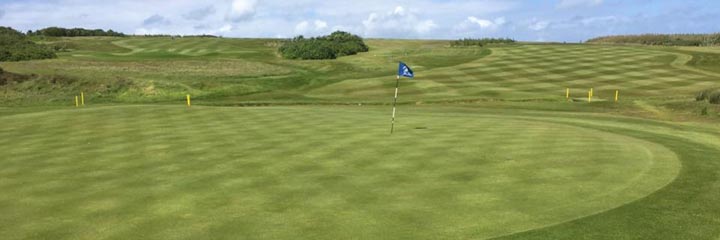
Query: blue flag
point(405, 71)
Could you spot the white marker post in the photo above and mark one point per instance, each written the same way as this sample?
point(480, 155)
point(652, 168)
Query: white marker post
point(397, 84)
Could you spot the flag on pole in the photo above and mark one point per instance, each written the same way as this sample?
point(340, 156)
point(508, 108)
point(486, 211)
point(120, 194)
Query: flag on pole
point(405, 71)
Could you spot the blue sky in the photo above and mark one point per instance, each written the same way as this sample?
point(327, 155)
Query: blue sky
point(530, 20)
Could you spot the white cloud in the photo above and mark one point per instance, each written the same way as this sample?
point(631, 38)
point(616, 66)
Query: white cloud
point(487, 24)
point(603, 20)
point(242, 10)
point(481, 22)
point(473, 23)
point(397, 23)
point(425, 26)
point(320, 25)
point(399, 10)
point(538, 25)
point(577, 3)
point(313, 28)
point(225, 28)
point(302, 27)
point(145, 31)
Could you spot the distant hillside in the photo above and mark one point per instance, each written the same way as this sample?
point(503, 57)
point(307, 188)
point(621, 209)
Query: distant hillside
point(15, 46)
point(662, 39)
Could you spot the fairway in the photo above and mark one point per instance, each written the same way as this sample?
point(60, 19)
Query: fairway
point(543, 72)
point(228, 71)
point(301, 172)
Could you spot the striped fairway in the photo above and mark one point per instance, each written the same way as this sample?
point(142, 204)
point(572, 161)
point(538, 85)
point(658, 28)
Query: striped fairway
point(191, 47)
point(166, 172)
point(541, 71)
point(250, 70)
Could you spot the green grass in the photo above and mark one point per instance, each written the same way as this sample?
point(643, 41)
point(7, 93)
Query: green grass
point(220, 70)
point(232, 71)
point(328, 173)
point(486, 146)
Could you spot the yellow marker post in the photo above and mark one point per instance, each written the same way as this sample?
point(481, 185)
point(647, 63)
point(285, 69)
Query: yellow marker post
point(590, 96)
point(188, 100)
point(567, 94)
point(77, 104)
point(617, 92)
point(82, 98)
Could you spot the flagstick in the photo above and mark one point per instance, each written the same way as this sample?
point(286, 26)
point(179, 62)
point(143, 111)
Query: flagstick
point(397, 84)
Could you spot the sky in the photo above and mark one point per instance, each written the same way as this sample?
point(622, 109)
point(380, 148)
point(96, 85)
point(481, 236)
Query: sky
point(529, 20)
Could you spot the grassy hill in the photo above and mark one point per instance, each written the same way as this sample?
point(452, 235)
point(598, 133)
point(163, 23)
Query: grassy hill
point(232, 71)
point(486, 145)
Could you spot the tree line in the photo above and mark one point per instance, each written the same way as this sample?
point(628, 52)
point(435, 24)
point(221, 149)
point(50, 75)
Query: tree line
point(662, 39)
point(479, 42)
point(15, 46)
point(332, 46)
point(82, 32)
point(178, 36)
point(74, 32)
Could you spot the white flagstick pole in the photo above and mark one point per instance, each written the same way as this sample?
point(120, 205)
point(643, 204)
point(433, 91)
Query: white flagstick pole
point(397, 84)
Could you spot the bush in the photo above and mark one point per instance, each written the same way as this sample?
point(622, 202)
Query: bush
point(8, 77)
point(14, 46)
point(467, 42)
point(335, 45)
point(711, 95)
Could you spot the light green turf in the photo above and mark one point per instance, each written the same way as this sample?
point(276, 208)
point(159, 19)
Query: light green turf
point(231, 71)
point(541, 72)
point(168, 172)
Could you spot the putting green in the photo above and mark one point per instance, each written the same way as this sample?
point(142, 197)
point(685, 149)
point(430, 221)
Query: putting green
point(167, 172)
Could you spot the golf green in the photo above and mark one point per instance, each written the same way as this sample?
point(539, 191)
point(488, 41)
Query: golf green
point(171, 172)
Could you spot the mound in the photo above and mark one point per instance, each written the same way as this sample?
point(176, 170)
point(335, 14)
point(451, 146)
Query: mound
point(14, 46)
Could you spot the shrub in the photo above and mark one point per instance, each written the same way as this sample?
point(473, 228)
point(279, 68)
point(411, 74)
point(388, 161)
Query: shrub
point(335, 45)
point(14, 46)
point(711, 95)
point(8, 77)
